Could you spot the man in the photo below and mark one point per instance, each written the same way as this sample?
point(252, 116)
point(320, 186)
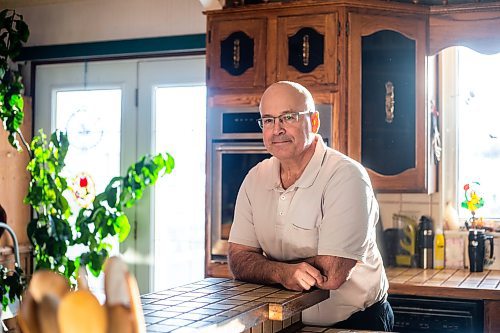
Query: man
point(306, 218)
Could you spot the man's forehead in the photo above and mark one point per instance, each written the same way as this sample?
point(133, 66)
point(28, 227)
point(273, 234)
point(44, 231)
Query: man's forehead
point(277, 101)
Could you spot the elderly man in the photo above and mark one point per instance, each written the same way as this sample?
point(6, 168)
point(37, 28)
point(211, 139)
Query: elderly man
point(306, 218)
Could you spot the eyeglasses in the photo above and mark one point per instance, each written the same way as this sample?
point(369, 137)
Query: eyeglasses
point(285, 119)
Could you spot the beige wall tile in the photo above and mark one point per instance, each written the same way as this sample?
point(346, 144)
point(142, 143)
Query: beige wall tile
point(386, 212)
point(389, 197)
point(412, 204)
point(416, 198)
point(415, 209)
point(436, 197)
point(437, 216)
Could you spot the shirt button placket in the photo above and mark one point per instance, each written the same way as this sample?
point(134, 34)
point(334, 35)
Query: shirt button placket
point(282, 207)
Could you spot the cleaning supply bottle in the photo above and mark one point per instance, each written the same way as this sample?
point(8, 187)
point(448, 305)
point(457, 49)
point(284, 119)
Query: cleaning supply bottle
point(439, 250)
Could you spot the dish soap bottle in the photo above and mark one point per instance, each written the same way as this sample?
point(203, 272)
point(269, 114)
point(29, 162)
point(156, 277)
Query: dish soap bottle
point(439, 250)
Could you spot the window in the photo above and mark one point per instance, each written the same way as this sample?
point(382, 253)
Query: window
point(478, 127)
point(470, 105)
point(114, 113)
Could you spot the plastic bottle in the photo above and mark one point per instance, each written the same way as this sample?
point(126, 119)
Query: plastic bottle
point(439, 250)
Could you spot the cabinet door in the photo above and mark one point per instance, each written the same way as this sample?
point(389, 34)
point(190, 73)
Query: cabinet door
point(387, 117)
point(236, 53)
point(307, 49)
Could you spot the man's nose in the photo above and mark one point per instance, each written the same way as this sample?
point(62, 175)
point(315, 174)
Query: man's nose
point(278, 127)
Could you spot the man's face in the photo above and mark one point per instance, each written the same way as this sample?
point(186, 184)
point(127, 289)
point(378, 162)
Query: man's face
point(285, 141)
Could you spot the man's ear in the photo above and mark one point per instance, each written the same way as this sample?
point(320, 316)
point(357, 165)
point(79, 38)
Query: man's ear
point(315, 121)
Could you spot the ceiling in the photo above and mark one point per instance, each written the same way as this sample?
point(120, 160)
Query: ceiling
point(207, 4)
point(213, 4)
point(29, 3)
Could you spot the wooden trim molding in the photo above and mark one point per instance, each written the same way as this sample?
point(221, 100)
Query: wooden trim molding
point(477, 30)
point(128, 47)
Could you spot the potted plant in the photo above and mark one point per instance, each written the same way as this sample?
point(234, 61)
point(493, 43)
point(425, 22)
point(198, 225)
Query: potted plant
point(50, 230)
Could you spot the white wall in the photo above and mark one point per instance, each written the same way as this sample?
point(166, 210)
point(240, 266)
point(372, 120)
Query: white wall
point(102, 20)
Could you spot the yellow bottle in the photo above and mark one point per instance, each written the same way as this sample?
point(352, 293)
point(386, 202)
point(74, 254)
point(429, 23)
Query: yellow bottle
point(439, 250)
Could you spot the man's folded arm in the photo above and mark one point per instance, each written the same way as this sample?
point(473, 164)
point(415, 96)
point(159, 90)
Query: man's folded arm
point(249, 264)
point(337, 270)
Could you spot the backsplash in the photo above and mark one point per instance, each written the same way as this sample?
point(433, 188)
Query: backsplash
point(409, 204)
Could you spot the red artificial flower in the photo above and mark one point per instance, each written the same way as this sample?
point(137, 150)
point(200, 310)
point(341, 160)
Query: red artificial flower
point(83, 182)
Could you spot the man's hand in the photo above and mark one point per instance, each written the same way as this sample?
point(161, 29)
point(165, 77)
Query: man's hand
point(301, 276)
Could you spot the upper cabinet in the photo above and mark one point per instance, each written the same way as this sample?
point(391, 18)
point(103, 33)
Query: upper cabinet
point(237, 53)
point(253, 50)
point(307, 49)
point(387, 101)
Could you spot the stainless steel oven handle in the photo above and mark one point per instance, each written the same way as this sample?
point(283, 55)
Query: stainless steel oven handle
point(240, 148)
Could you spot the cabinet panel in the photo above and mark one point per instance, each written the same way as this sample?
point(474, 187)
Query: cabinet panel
point(236, 56)
point(307, 49)
point(388, 102)
point(491, 318)
point(387, 117)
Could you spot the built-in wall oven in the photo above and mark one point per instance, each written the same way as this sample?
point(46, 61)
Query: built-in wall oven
point(234, 143)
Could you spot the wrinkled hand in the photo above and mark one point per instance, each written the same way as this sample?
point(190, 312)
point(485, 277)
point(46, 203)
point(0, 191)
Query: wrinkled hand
point(301, 276)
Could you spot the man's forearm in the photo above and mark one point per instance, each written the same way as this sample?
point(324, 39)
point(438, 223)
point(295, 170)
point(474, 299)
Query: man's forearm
point(254, 267)
point(336, 269)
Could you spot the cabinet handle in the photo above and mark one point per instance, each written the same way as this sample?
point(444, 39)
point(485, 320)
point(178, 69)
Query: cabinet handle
point(389, 102)
point(305, 50)
point(236, 53)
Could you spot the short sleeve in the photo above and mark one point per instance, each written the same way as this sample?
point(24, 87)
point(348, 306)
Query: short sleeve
point(243, 230)
point(350, 212)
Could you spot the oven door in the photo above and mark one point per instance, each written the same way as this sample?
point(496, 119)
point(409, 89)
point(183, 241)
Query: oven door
point(231, 162)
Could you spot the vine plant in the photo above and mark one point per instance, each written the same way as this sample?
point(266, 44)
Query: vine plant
point(49, 230)
point(13, 33)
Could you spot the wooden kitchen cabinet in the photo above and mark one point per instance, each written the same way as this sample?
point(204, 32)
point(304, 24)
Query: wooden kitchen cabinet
point(251, 50)
point(236, 56)
point(307, 49)
point(350, 48)
point(491, 318)
point(387, 129)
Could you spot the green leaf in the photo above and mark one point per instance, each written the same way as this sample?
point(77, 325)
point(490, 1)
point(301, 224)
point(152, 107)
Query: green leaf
point(122, 227)
point(23, 30)
point(111, 196)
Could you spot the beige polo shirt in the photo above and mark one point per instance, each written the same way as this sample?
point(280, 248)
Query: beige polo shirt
point(330, 210)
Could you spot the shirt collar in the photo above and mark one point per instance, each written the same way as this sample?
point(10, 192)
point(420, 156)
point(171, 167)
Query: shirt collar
point(310, 173)
point(314, 166)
